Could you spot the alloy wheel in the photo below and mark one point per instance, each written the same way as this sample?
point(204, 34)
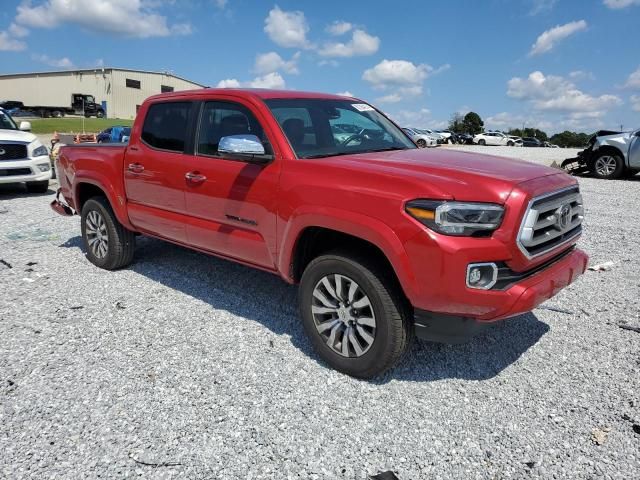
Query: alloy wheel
point(97, 234)
point(606, 165)
point(343, 315)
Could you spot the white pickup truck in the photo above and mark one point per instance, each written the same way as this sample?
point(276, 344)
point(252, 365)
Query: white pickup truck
point(23, 158)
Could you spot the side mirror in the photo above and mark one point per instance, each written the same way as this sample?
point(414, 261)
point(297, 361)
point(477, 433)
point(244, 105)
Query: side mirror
point(25, 126)
point(244, 147)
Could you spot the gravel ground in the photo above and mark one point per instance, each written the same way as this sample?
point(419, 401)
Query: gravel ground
point(187, 366)
point(546, 156)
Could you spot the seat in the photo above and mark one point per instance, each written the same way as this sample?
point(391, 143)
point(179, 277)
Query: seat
point(294, 130)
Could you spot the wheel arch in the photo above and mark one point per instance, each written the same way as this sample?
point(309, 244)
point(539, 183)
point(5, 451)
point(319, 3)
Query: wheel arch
point(87, 188)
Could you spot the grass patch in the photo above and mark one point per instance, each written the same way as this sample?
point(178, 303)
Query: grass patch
point(68, 125)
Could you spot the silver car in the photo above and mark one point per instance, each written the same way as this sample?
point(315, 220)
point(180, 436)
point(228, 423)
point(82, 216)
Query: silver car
point(420, 137)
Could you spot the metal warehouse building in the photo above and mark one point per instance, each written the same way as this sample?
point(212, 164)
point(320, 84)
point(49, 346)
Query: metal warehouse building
point(120, 91)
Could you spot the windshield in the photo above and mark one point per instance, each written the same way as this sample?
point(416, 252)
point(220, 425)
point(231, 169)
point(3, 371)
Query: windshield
point(319, 128)
point(6, 122)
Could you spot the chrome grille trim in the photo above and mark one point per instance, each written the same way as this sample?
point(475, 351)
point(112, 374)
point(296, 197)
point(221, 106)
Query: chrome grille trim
point(542, 230)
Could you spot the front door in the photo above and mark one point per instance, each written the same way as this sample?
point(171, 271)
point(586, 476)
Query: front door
point(154, 171)
point(231, 203)
point(634, 151)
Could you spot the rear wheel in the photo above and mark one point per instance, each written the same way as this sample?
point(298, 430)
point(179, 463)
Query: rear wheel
point(608, 166)
point(421, 143)
point(38, 187)
point(482, 141)
point(100, 114)
point(356, 318)
point(108, 244)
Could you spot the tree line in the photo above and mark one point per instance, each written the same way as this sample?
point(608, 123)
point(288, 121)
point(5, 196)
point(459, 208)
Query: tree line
point(473, 124)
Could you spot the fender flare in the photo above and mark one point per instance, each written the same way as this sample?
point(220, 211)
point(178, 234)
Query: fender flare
point(351, 223)
point(118, 202)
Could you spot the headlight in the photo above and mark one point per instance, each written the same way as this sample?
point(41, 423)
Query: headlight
point(456, 218)
point(40, 151)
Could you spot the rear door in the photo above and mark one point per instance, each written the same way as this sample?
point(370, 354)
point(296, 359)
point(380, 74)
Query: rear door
point(232, 204)
point(154, 170)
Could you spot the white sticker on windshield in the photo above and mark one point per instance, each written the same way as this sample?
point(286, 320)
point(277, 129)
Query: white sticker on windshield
point(362, 107)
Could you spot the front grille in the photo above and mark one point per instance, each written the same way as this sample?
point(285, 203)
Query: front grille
point(551, 220)
point(13, 172)
point(12, 151)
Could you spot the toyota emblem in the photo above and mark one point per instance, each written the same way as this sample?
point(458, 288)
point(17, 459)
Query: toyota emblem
point(563, 217)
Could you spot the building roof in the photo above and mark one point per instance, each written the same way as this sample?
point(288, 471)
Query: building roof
point(96, 70)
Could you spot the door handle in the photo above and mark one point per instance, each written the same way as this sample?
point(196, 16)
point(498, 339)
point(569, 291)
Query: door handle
point(195, 177)
point(135, 168)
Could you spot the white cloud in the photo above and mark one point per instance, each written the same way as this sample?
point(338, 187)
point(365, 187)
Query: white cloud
point(18, 30)
point(635, 102)
point(338, 28)
point(556, 94)
point(396, 73)
point(63, 62)
point(540, 6)
point(270, 80)
point(272, 62)
point(547, 40)
point(634, 80)
point(361, 43)
point(412, 118)
point(132, 18)
point(9, 44)
point(287, 29)
point(618, 4)
point(228, 83)
point(346, 93)
point(581, 74)
point(220, 4)
point(390, 98)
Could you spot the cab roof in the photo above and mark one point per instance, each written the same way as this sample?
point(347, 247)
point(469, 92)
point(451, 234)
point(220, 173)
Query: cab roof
point(260, 93)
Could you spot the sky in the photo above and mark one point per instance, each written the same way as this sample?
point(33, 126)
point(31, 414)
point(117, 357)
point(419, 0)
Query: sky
point(550, 64)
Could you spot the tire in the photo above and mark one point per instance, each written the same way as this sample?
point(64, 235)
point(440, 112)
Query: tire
point(482, 142)
point(608, 166)
point(100, 114)
point(510, 144)
point(56, 114)
point(380, 346)
point(97, 215)
point(38, 187)
point(421, 143)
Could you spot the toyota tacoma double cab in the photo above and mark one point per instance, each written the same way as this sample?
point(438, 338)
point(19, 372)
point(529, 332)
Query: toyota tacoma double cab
point(387, 241)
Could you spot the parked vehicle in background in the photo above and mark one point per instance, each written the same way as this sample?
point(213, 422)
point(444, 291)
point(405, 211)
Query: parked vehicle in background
point(517, 141)
point(422, 139)
point(531, 142)
point(23, 159)
point(386, 240)
point(608, 155)
point(81, 104)
point(439, 138)
point(493, 138)
point(550, 145)
point(113, 134)
point(464, 138)
point(446, 135)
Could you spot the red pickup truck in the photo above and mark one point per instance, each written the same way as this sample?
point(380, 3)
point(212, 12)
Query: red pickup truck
point(386, 240)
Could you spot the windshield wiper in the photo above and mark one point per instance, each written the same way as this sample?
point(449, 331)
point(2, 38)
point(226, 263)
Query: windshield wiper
point(387, 149)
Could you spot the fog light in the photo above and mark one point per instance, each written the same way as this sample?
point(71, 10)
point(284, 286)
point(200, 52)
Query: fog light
point(44, 167)
point(482, 276)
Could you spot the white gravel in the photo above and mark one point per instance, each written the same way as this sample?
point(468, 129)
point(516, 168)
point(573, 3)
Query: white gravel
point(186, 366)
point(545, 156)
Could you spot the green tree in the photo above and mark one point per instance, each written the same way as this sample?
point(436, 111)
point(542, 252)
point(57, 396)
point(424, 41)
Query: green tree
point(569, 139)
point(456, 123)
point(529, 132)
point(472, 123)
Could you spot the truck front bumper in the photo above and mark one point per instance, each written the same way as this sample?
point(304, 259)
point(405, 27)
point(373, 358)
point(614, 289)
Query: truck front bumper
point(25, 170)
point(519, 298)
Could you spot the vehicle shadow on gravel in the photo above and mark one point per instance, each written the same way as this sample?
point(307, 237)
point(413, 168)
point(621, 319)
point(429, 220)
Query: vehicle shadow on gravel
point(10, 191)
point(265, 298)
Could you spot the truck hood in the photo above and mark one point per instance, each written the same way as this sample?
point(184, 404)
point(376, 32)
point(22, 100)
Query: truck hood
point(449, 174)
point(16, 136)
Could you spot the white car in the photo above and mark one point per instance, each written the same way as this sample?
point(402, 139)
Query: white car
point(446, 135)
point(23, 158)
point(420, 137)
point(493, 138)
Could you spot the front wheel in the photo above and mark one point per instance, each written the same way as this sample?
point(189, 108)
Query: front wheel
point(108, 244)
point(356, 318)
point(608, 166)
point(510, 144)
point(482, 142)
point(100, 114)
point(421, 143)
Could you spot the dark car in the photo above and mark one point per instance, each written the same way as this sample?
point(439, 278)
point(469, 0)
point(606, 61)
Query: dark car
point(464, 138)
point(531, 142)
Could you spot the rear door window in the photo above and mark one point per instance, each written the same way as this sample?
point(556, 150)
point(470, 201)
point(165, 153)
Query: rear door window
point(165, 126)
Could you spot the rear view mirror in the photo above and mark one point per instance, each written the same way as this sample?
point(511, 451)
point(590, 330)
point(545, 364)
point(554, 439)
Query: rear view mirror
point(25, 126)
